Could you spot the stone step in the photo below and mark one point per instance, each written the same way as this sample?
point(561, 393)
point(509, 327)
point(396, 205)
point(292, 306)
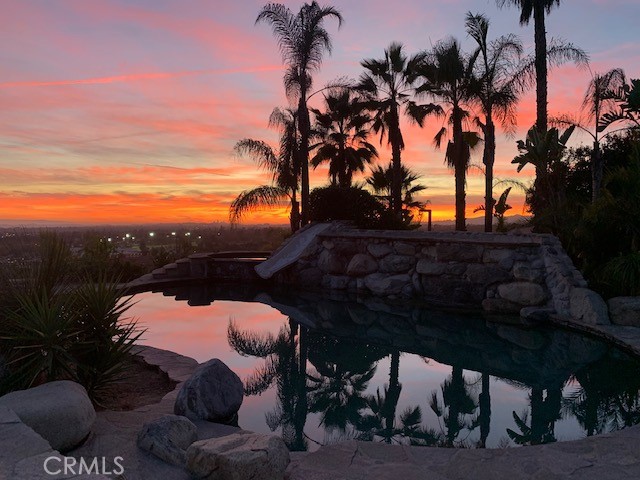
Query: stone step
point(159, 273)
point(171, 270)
point(184, 267)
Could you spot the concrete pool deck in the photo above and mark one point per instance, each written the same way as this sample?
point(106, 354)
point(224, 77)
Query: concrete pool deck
point(608, 456)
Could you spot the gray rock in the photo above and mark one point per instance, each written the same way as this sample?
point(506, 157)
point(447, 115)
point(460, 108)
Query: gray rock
point(382, 284)
point(60, 412)
point(396, 263)
point(361, 264)
point(625, 311)
point(213, 393)
point(485, 274)
point(335, 282)
point(168, 438)
point(523, 271)
point(403, 248)
point(310, 277)
point(500, 305)
point(428, 267)
point(379, 250)
point(458, 253)
point(238, 457)
point(586, 306)
point(537, 314)
point(503, 257)
point(522, 293)
point(331, 262)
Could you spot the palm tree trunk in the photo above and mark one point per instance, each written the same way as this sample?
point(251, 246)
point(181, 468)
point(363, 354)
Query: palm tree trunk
point(541, 65)
point(460, 167)
point(304, 127)
point(396, 184)
point(597, 171)
point(489, 159)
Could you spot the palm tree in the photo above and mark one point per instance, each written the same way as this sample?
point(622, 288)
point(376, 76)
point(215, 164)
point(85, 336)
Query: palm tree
point(343, 130)
point(283, 165)
point(388, 84)
point(285, 367)
point(497, 94)
point(448, 77)
point(544, 152)
point(303, 40)
point(381, 180)
point(537, 9)
point(598, 108)
point(457, 404)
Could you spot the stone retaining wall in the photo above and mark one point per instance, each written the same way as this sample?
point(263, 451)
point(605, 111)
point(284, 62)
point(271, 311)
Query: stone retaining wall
point(528, 274)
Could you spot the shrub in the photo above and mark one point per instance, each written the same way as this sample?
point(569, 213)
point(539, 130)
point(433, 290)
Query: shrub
point(352, 204)
point(54, 326)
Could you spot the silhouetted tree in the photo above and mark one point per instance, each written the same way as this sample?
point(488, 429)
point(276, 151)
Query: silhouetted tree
point(283, 165)
point(303, 40)
point(342, 130)
point(497, 94)
point(448, 78)
point(388, 84)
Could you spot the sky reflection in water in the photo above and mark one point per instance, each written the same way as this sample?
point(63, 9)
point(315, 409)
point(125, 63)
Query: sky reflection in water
point(513, 361)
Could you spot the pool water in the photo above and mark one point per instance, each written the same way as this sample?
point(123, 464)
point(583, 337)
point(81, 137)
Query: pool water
point(319, 370)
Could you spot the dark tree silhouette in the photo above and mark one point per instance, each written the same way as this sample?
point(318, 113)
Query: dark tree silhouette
point(497, 94)
point(389, 83)
point(303, 40)
point(343, 130)
point(448, 78)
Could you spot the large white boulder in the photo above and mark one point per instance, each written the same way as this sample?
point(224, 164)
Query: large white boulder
point(60, 412)
point(238, 457)
point(213, 393)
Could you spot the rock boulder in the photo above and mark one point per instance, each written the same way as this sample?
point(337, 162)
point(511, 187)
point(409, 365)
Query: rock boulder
point(238, 457)
point(213, 393)
point(586, 306)
point(522, 293)
point(168, 438)
point(625, 311)
point(60, 412)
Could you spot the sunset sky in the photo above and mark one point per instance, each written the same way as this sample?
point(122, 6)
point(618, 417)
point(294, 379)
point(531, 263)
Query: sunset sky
point(126, 111)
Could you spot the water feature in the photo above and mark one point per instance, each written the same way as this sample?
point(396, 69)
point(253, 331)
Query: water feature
point(320, 369)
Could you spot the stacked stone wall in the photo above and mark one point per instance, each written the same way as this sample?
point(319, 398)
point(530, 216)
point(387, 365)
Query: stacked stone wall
point(498, 273)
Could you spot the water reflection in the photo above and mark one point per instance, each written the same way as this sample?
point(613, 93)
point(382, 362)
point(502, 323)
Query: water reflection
point(334, 366)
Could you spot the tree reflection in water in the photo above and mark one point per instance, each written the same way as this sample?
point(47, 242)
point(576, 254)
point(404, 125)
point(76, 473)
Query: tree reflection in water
point(314, 371)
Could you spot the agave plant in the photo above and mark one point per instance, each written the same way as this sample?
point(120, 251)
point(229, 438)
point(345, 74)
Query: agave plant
point(105, 336)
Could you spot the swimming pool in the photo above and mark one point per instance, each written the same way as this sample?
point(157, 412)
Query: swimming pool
point(322, 369)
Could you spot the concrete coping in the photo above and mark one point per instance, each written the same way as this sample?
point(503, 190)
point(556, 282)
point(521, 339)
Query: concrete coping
point(497, 239)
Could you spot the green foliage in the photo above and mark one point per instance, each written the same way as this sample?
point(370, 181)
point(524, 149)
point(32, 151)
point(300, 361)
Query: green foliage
point(608, 238)
point(352, 204)
point(105, 338)
point(56, 325)
point(38, 336)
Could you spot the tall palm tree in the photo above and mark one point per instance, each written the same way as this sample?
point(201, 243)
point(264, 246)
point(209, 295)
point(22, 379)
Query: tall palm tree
point(557, 52)
point(497, 94)
point(283, 165)
point(303, 40)
point(388, 84)
point(343, 130)
point(598, 105)
point(537, 9)
point(448, 78)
